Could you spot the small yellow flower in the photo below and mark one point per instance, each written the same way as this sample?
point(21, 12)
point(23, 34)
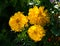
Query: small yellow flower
point(38, 16)
point(18, 21)
point(33, 14)
point(44, 14)
point(36, 32)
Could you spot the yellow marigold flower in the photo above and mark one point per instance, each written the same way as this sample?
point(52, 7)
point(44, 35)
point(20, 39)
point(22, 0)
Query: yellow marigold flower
point(33, 14)
point(41, 9)
point(36, 32)
point(18, 21)
point(44, 14)
point(38, 16)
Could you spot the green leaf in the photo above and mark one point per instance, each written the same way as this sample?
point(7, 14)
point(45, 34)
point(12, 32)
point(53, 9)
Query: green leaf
point(55, 31)
point(13, 2)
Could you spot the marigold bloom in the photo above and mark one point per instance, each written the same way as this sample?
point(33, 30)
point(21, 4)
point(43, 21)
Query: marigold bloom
point(38, 16)
point(44, 15)
point(36, 32)
point(18, 21)
point(33, 14)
